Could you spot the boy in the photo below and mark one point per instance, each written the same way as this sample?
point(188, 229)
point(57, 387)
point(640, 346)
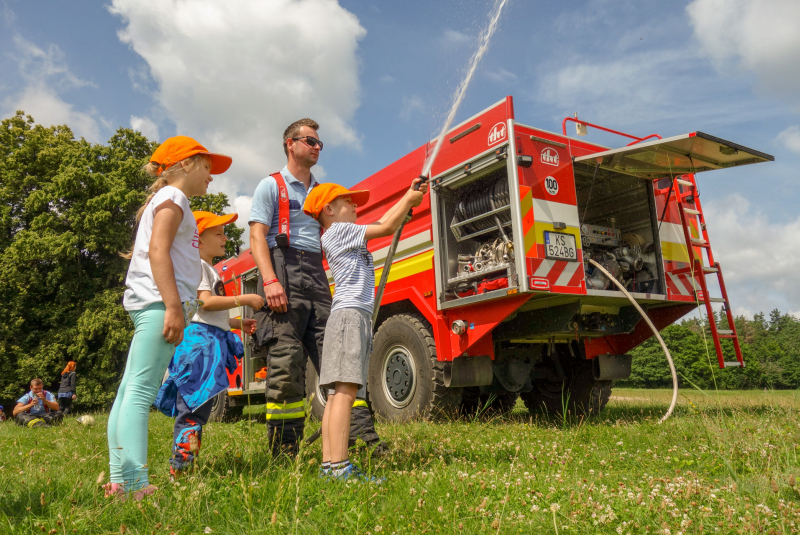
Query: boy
point(348, 334)
point(37, 408)
point(197, 370)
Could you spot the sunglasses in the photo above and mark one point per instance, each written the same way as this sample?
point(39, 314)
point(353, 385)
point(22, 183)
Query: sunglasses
point(310, 141)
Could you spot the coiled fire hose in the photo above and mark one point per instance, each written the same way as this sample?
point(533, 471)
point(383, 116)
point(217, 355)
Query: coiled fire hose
point(655, 332)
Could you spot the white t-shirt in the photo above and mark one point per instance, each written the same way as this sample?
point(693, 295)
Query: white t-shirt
point(211, 281)
point(351, 264)
point(185, 254)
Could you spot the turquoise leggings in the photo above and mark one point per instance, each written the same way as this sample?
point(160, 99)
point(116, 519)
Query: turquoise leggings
point(148, 358)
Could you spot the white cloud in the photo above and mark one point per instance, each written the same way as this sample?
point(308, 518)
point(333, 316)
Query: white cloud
point(47, 108)
point(759, 258)
point(501, 76)
point(146, 126)
point(411, 105)
point(235, 74)
point(45, 72)
point(454, 37)
point(761, 37)
point(635, 86)
point(387, 79)
point(790, 138)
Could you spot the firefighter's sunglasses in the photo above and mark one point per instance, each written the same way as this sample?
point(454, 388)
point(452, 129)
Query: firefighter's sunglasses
point(310, 141)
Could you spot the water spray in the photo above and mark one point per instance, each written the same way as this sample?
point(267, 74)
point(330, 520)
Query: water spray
point(462, 89)
point(426, 168)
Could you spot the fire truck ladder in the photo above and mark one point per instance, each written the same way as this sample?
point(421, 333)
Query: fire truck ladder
point(685, 189)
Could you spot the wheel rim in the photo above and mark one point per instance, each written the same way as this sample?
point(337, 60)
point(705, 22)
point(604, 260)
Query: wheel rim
point(216, 401)
point(399, 381)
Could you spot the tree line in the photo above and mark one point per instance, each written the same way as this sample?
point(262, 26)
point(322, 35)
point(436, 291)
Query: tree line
point(770, 348)
point(67, 209)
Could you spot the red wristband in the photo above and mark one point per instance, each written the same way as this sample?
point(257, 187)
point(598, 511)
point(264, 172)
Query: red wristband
point(270, 282)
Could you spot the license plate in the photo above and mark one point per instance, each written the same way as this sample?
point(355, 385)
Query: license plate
point(560, 246)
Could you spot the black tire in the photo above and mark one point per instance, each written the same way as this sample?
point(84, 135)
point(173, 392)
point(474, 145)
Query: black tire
point(405, 379)
point(223, 409)
point(474, 401)
point(581, 394)
point(312, 387)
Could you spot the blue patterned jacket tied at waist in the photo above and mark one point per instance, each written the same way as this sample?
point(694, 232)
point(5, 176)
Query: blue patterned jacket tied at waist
point(197, 370)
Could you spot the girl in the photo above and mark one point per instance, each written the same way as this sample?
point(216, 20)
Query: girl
point(66, 392)
point(160, 297)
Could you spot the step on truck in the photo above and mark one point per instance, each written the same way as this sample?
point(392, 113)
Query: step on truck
point(491, 295)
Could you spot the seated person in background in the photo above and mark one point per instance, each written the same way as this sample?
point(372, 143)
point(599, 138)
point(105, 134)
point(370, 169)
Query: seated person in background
point(37, 408)
point(2, 414)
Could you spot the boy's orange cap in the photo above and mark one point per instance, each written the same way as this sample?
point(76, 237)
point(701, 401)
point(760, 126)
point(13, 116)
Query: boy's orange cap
point(323, 194)
point(178, 148)
point(206, 220)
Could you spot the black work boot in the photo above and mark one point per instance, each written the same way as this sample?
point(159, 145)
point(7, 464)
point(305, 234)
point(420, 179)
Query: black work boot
point(362, 427)
point(284, 437)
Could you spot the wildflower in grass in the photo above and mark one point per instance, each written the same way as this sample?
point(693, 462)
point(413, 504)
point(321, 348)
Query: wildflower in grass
point(555, 507)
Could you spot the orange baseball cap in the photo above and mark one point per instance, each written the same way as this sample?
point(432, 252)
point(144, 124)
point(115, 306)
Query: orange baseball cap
point(206, 220)
point(178, 148)
point(323, 194)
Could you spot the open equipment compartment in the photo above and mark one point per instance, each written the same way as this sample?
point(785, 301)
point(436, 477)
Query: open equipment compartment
point(618, 230)
point(474, 230)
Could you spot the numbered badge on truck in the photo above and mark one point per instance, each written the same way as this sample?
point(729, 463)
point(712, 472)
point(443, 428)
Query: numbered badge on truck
point(559, 246)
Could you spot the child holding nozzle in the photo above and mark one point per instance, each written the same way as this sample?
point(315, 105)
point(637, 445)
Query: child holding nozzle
point(197, 370)
point(348, 333)
point(161, 298)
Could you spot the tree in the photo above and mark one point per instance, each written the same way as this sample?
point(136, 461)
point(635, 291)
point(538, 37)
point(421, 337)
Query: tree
point(67, 209)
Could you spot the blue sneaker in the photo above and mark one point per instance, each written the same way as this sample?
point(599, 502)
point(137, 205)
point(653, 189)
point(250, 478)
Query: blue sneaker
point(352, 472)
point(325, 472)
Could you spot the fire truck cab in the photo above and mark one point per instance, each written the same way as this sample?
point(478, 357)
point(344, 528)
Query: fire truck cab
point(491, 294)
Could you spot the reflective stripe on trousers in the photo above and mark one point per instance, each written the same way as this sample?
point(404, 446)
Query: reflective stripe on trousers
point(286, 411)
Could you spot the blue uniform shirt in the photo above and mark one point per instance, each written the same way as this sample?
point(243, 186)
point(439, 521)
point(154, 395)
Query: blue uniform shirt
point(303, 229)
point(39, 407)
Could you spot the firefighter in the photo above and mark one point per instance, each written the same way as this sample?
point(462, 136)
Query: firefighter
point(285, 244)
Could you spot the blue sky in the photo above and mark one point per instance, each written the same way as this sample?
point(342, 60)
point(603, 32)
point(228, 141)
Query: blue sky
point(379, 76)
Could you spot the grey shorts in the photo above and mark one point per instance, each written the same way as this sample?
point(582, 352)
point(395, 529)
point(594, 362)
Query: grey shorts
point(346, 348)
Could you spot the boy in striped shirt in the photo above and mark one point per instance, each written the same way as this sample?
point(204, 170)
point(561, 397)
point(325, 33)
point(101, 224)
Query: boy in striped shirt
point(348, 333)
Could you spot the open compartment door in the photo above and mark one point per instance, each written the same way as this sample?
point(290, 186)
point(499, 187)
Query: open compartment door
point(679, 155)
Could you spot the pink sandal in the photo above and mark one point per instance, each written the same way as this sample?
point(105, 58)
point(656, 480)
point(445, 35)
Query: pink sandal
point(114, 490)
point(145, 491)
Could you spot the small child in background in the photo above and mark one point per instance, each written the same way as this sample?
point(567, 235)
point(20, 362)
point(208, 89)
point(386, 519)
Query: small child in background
point(2, 414)
point(197, 370)
point(348, 333)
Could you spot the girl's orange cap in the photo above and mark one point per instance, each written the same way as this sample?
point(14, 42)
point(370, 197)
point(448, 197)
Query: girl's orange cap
point(178, 148)
point(323, 194)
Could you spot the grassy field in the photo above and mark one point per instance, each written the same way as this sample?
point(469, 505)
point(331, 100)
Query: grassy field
point(725, 463)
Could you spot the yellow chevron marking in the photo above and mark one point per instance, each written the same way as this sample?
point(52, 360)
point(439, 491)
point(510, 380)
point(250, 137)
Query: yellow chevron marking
point(674, 252)
point(407, 268)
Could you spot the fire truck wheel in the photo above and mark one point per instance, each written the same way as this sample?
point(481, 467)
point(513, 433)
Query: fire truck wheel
point(581, 393)
point(312, 387)
point(405, 379)
point(223, 409)
point(473, 401)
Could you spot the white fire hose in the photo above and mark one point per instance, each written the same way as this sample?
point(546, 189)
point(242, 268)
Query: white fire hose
point(655, 331)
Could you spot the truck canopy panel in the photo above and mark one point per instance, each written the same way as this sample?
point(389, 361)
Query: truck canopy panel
point(678, 155)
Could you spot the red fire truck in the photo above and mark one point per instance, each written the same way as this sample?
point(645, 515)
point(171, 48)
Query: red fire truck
point(491, 295)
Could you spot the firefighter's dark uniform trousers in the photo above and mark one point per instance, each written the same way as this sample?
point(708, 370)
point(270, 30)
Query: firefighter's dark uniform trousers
point(288, 337)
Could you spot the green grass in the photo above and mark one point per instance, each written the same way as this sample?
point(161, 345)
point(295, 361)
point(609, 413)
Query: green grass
point(725, 463)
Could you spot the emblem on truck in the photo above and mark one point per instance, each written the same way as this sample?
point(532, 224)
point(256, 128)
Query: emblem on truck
point(497, 133)
point(549, 156)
